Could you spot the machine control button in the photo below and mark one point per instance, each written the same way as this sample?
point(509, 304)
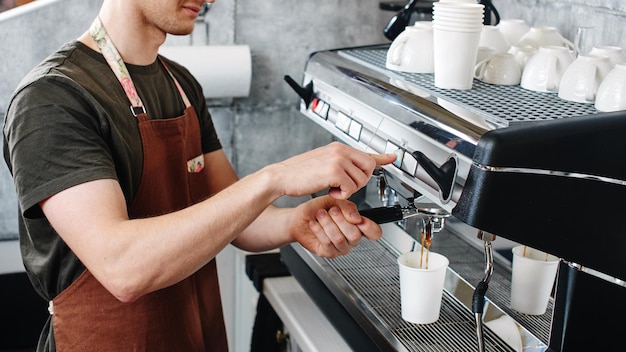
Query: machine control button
point(343, 122)
point(392, 148)
point(320, 107)
point(355, 130)
point(409, 164)
point(324, 110)
point(314, 103)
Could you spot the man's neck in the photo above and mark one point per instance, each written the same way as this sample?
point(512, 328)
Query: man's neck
point(137, 45)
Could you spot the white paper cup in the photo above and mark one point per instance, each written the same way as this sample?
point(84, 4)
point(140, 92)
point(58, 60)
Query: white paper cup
point(421, 290)
point(458, 21)
point(455, 54)
point(532, 280)
point(459, 1)
point(458, 7)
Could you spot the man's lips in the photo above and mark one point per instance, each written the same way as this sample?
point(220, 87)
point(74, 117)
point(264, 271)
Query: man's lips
point(194, 10)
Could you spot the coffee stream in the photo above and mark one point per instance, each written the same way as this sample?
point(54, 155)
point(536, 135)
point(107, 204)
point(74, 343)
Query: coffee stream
point(427, 237)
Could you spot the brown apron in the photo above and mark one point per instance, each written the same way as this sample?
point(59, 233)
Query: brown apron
point(184, 317)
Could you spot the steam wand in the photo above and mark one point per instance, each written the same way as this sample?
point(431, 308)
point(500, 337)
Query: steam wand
point(478, 299)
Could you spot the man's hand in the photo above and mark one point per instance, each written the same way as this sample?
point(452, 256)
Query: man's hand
point(336, 166)
point(331, 227)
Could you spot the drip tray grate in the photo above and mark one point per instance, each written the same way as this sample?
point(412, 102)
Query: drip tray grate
point(501, 105)
point(371, 271)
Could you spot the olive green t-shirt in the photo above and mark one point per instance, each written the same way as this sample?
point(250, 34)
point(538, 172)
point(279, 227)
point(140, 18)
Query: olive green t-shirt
point(70, 122)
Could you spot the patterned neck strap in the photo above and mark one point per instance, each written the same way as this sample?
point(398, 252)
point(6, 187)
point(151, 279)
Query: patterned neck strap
point(113, 58)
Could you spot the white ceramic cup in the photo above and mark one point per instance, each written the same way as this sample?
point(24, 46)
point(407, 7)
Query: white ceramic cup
point(522, 54)
point(412, 51)
point(455, 54)
point(544, 36)
point(501, 69)
point(421, 289)
point(424, 24)
point(533, 275)
point(491, 36)
point(484, 52)
point(611, 94)
point(614, 53)
point(513, 29)
point(544, 70)
point(582, 78)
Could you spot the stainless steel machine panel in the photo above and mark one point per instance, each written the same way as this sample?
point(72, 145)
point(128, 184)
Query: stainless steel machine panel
point(525, 165)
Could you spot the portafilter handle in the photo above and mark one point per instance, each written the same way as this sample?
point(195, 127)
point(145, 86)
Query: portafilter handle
point(382, 215)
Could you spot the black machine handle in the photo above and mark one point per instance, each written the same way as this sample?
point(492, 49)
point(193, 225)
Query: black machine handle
point(398, 23)
point(391, 5)
point(489, 10)
point(306, 92)
point(383, 215)
point(443, 175)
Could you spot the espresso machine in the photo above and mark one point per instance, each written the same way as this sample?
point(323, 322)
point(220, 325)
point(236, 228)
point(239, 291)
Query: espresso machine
point(474, 167)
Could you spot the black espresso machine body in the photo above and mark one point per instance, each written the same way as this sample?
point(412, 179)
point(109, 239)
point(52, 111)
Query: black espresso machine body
point(558, 186)
point(527, 166)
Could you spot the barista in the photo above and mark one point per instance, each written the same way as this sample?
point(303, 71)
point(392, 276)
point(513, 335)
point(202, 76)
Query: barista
point(126, 195)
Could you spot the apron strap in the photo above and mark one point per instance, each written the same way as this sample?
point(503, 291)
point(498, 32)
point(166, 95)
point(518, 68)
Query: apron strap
point(113, 58)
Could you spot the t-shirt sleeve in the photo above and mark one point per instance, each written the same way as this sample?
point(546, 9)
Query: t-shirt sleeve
point(210, 140)
point(53, 141)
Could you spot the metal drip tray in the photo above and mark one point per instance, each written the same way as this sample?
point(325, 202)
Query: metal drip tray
point(366, 281)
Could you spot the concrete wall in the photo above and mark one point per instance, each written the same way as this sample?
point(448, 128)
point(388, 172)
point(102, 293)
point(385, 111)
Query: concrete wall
point(281, 35)
point(607, 16)
point(255, 131)
point(27, 35)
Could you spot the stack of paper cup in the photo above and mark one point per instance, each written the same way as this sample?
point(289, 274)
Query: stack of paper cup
point(456, 33)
